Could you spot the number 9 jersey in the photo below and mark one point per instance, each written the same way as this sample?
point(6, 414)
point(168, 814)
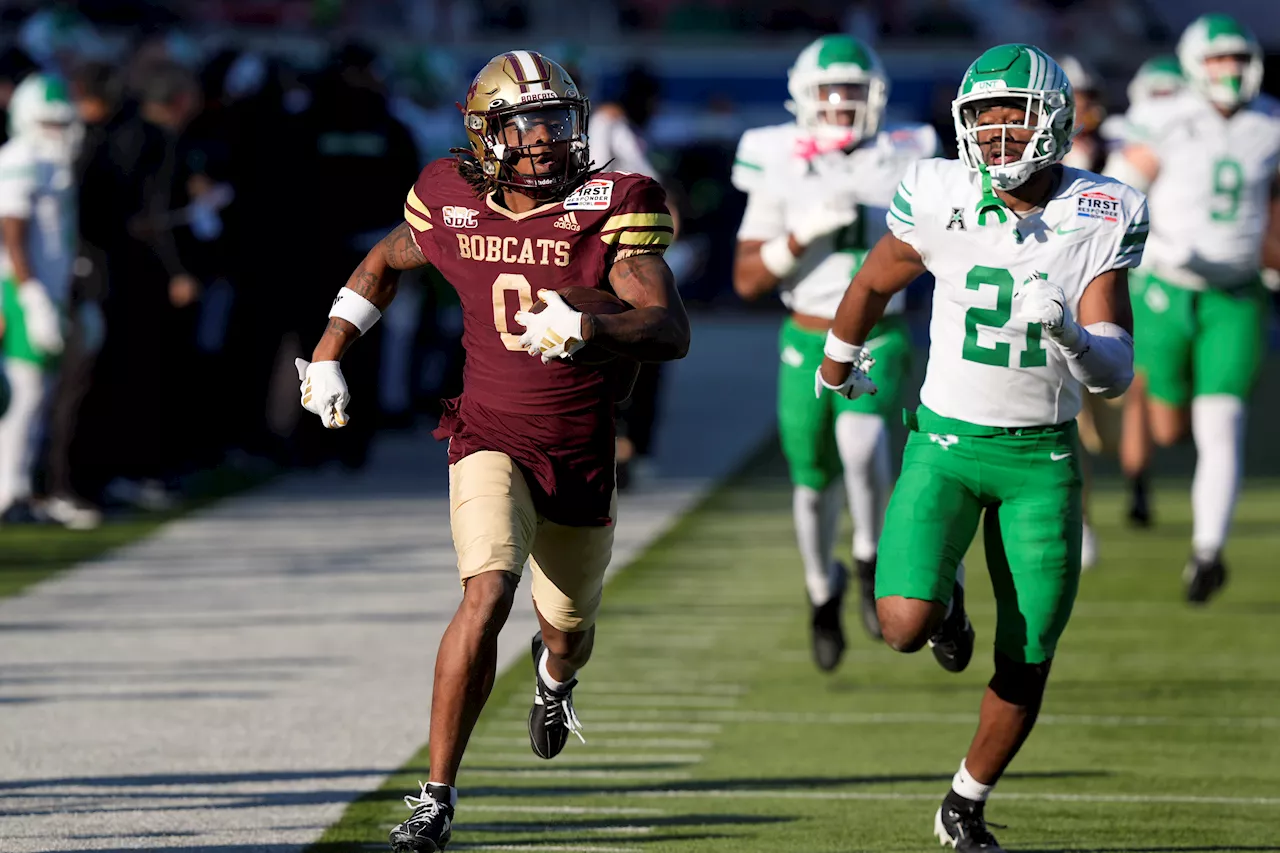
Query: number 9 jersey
point(985, 367)
point(1210, 201)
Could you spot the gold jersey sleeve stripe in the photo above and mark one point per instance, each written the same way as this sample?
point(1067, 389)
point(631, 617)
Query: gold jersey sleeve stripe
point(632, 251)
point(415, 220)
point(636, 220)
point(414, 202)
point(638, 238)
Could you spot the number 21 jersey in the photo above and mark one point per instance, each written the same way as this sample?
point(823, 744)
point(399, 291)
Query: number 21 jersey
point(985, 367)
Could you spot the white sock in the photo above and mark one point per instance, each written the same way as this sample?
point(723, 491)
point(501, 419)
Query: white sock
point(19, 430)
point(863, 442)
point(557, 686)
point(1217, 424)
point(453, 792)
point(816, 513)
point(969, 787)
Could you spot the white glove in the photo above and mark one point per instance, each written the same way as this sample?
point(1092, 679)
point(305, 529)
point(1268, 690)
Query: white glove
point(857, 383)
point(554, 332)
point(44, 325)
point(324, 391)
point(824, 217)
point(1046, 304)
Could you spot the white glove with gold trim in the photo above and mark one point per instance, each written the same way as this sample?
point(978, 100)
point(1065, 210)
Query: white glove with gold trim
point(554, 332)
point(324, 391)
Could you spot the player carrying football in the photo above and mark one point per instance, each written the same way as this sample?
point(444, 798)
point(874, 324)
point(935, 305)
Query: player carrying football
point(817, 191)
point(531, 440)
point(1210, 156)
point(1031, 306)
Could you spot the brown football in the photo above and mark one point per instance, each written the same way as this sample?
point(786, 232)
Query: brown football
point(589, 300)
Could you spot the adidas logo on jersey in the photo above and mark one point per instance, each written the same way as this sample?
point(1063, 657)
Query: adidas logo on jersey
point(568, 222)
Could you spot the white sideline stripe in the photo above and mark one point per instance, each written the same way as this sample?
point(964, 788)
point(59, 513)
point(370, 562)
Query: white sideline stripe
point(594, 758)
point(539, 828)
point(646, 775)
point(1173, 799)
point(538, 847)
point(612, 743)
point(1109, 720)
point(635, 726)
point(574, 810)
point(591, 698)
point(644, 685)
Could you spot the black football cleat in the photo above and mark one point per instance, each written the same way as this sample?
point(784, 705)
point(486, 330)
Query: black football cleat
point(964, 829)
point(826, 624)
point(867, 609)
point(430, 827)
point(552, 718)
point(1139, 504)
point(1204, 578)
point(952, 643)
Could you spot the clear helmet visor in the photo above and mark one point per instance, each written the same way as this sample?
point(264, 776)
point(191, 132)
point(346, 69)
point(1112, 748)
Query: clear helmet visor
point(547, 126)
point(542, 147)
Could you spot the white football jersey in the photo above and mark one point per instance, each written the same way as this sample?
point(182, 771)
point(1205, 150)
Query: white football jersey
point(782, 176)
point(40, 189)
point(1210, 201)
point(985, 367)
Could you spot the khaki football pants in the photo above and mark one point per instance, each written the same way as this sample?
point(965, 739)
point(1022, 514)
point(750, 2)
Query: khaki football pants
point(496, 529)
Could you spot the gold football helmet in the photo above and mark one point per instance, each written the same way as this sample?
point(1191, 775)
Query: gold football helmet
point(521, 105)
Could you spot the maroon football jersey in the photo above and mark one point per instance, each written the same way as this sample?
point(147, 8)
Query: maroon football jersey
point(556, 419)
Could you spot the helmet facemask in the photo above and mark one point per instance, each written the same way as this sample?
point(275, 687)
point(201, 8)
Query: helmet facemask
point(539, 150)
point(839, 106)
point(1044, 134)
point(1230, 80)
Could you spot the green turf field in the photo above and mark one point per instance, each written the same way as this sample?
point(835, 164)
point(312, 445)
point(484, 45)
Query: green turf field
point(709, 729)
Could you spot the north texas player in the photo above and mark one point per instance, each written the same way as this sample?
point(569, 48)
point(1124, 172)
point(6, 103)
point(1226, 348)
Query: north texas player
point(1030, 308)
point(1210, 156)
point(531, 440)
point(818, 190)
point(38, 224)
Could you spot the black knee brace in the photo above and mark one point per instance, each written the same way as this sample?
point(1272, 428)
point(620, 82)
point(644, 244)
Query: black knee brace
point(1019, 683)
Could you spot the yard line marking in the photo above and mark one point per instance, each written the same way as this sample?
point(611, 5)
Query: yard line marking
point(573, 810)
point(643, 775)
point(644, 685)
point(1178, 799)
point(787, 717)
point(613, 743)
point(535, 848)
point(590, 757)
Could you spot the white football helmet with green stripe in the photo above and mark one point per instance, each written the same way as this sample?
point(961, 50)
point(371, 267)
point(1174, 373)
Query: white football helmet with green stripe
point(1221, 35)
point(838, 61)
point(41, 111)
point(1158, 77)
point(1025, 76)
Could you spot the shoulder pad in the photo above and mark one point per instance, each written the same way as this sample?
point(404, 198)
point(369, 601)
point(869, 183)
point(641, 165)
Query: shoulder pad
point(759, 149)
point(918, 139)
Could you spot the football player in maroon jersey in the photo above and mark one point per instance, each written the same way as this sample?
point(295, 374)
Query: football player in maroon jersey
point(531, 440)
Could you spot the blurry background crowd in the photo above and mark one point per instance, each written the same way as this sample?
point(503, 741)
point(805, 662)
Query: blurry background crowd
point(240, 156)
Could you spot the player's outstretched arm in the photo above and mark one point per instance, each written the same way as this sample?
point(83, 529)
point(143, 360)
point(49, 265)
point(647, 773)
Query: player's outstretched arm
point(368, 292)
point(1134, 164)
point(891, 265)
point(658, 328)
